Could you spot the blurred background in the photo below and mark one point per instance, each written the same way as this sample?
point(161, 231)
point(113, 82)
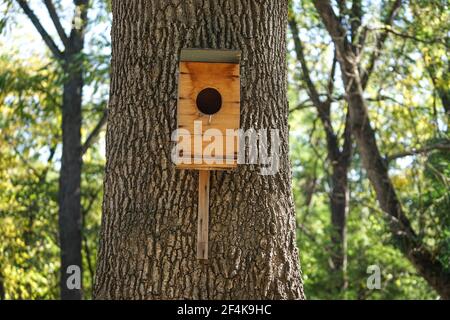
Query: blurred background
point(341, 229)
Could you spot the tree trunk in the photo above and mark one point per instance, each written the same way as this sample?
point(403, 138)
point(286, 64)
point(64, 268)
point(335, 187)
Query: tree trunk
point(405, 237)
point(340, 161)
point(148, 238)
point(71, 161)
point(433, 271)
point(69, 185)
point(339, 199)
point(70, 172)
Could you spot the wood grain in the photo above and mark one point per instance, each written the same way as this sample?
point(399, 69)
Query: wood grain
point(203, 215)
point(194, 77)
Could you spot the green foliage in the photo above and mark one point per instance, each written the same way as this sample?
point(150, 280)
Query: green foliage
point(405, 104)
point(28, 190)
point(407, 113)
point(30, 144)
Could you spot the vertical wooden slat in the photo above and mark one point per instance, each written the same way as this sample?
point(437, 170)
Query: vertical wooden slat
point(203, 215)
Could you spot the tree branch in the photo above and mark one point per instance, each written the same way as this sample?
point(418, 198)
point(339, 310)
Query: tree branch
point(346, 153)
point(56, 22)
point(91, 137)
point(330, 86)
point(323, 108)
point(441, 41)
point(422, 150)
point(342, 5)
point(356, 19)
point(313, 93)
point(80, 18)
point(380, 42)
point(305, 104)
point(44, 34)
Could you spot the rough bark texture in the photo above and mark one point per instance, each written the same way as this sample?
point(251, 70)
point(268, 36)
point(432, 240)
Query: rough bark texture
point(405, 237)
point(148, 237)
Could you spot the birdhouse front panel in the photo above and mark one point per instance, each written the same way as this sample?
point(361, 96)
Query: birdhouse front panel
point(208, 113)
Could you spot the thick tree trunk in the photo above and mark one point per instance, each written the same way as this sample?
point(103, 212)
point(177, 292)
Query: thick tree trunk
point(148, 238)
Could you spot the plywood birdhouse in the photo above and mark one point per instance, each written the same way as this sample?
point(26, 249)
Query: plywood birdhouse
point(208, 112)
point(208, 115)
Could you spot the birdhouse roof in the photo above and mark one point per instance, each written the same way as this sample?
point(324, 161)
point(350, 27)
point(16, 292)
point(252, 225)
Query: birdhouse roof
point(210, 55)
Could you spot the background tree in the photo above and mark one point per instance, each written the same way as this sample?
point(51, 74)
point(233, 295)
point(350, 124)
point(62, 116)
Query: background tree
point(404, 102)
point(147, 244)
point(70, 173)
point(339, 149)
point(354, 79)
point(339, 152)
point(74, 67)
point(410, 126)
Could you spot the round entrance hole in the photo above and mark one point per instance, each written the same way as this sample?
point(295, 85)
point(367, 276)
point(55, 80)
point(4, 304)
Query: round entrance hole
point(209, 101)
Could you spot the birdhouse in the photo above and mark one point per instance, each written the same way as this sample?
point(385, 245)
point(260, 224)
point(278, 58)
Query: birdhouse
point(208, 115)
point(208, 112)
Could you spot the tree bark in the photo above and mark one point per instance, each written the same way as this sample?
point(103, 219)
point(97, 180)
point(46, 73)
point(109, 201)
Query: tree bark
point(405, 237)
point(339, 200)
point(340, 163)
point(70, 183)
point(70, 222)
point(70, 173)
point(148, 238)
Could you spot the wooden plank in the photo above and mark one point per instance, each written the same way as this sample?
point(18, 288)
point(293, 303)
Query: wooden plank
point(207, 145)
point(190, 87)
point(206, 156)
point(203, 215)
point(193, 78)
point(206, 167)
point(188, 106)
point(215, 122)
point(205, 68)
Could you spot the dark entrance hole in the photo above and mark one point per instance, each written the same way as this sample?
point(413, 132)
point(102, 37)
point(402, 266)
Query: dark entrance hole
point(209, 101)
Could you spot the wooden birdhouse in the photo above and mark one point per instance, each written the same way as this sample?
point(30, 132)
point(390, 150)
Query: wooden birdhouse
point(208, 116)
point(208, 112)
